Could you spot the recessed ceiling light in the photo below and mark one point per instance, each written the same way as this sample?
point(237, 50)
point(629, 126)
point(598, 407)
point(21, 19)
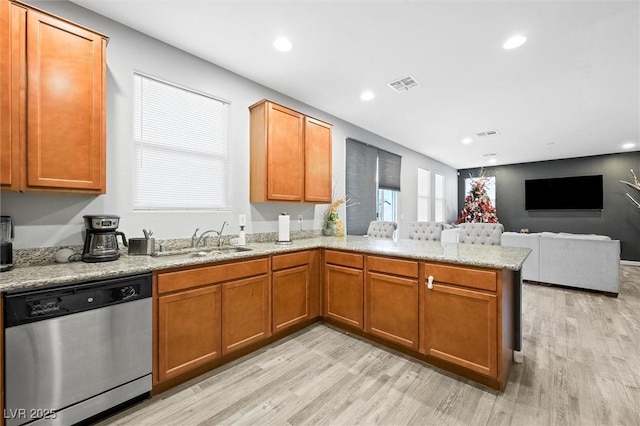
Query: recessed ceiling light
point(467, 141)
point(493, 160)
point(628, 145)
point(282, 44)
point(367, 95)
point(514, 42)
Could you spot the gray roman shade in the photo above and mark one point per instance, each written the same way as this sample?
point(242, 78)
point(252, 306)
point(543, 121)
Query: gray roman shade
point(360, 185)
point(389, 170)
point(366, 165)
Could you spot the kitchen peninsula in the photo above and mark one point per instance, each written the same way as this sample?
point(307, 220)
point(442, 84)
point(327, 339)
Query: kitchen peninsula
point(455, 306)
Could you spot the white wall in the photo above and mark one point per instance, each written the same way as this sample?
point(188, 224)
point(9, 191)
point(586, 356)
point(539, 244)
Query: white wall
point(56, 219)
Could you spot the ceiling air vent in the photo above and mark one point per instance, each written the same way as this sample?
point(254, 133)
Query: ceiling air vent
point(487, 133)
point(404, 84)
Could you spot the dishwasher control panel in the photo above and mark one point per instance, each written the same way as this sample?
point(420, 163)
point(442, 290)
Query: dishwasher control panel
point(29, 306)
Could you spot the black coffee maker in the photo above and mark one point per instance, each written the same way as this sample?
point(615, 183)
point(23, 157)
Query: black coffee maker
point(6, 243)
point(101, 243)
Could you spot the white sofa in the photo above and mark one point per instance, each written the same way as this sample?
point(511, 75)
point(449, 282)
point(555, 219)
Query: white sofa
point(574, 260)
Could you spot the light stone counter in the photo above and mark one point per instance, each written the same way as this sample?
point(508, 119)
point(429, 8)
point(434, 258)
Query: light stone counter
point(498, 257)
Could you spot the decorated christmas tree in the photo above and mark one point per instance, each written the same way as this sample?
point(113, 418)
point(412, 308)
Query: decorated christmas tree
point(477, 204)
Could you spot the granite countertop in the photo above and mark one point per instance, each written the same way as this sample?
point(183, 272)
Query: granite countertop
point(26, 277)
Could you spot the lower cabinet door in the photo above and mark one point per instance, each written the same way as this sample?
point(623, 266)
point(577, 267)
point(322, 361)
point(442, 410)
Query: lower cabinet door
point(461, 327)
point(246, 313)
point(290, 297)
point(392, 308)
point(189, 330)
point(344, 295)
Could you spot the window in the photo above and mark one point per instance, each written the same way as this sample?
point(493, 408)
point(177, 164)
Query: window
point(424, 192)
point(181, 148)
point(372, 180)
point(387, 205)
point(439, 197)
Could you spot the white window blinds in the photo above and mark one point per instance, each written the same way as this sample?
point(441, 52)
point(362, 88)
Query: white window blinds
point(181, 148)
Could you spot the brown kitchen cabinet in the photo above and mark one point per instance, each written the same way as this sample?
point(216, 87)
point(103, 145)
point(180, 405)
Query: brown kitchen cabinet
point(202, 313)
point(188, 330)
point(317, 151)
point(290, 155)
point(53, 114)
point(465, 309)
point(344, 288)
point(9, 120)
point(246, 312)
point(391, 300)
point(295, 288)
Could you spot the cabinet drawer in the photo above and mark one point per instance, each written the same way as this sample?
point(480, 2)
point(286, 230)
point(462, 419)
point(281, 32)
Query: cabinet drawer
point(405, 268)
point(180, 280)
point(344, 259)
point(472, 278)
point(283, 261)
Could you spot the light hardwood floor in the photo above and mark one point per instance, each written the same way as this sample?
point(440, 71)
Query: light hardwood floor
point(581, 367)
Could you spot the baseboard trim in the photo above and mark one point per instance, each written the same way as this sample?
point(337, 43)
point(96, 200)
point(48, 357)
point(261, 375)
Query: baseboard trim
point(630, 262)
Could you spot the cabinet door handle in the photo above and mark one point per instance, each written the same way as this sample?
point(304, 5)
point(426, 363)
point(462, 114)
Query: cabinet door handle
point(430, 282)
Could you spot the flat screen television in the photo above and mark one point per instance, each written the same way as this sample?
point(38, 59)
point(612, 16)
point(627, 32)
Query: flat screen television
point(567, 193)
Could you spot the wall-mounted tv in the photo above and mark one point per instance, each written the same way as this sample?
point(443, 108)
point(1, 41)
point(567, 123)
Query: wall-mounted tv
point(567, 193)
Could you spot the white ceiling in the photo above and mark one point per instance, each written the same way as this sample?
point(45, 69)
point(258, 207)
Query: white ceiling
point(572, 90)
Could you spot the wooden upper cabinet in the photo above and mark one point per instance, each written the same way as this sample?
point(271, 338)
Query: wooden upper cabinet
point(57, 115)
point(12, 87)
point(290, 155)
point(318, 142)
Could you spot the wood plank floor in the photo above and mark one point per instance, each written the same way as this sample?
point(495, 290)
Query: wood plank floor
point(581, 367)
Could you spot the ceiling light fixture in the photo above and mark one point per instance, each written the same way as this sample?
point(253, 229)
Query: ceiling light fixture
point(514, 42)
point(628, 145)
point(367, 95)
point(467, 141)
point(282, 44)
point(493, 160)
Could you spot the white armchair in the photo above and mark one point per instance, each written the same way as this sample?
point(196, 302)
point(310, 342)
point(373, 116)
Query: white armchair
point(480, 233)
point(426, 231)
point(381, 229)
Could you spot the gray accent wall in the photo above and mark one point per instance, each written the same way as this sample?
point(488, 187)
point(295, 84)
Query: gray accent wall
point(619, 219)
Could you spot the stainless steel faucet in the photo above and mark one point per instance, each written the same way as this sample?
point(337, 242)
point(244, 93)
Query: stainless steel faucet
point(220, 240)
point(195, 240)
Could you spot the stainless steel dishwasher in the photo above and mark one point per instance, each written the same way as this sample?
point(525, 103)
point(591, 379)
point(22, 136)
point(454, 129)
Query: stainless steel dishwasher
point(75, 351)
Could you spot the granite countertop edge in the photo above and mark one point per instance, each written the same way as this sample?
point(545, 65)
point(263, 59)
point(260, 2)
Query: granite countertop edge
point(499, 257)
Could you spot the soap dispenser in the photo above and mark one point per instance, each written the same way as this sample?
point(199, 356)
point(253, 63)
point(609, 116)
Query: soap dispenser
point(241, 237)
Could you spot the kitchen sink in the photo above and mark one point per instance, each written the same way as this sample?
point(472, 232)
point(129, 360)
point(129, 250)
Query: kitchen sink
point(227, 250)
point(203, 252)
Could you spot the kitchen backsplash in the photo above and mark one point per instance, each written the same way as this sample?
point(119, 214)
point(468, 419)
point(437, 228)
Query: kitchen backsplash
point(46, 255)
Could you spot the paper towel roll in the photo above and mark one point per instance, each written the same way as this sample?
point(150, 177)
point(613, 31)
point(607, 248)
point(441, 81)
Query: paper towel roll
point(283, 228)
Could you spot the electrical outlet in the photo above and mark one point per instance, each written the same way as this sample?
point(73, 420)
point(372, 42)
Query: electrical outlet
point(299, 218)
point(242, 220)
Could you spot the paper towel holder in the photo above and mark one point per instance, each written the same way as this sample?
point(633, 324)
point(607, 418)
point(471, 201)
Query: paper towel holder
point(283, 233)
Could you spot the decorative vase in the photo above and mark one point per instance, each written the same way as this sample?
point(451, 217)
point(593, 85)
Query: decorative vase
point(329, 230)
